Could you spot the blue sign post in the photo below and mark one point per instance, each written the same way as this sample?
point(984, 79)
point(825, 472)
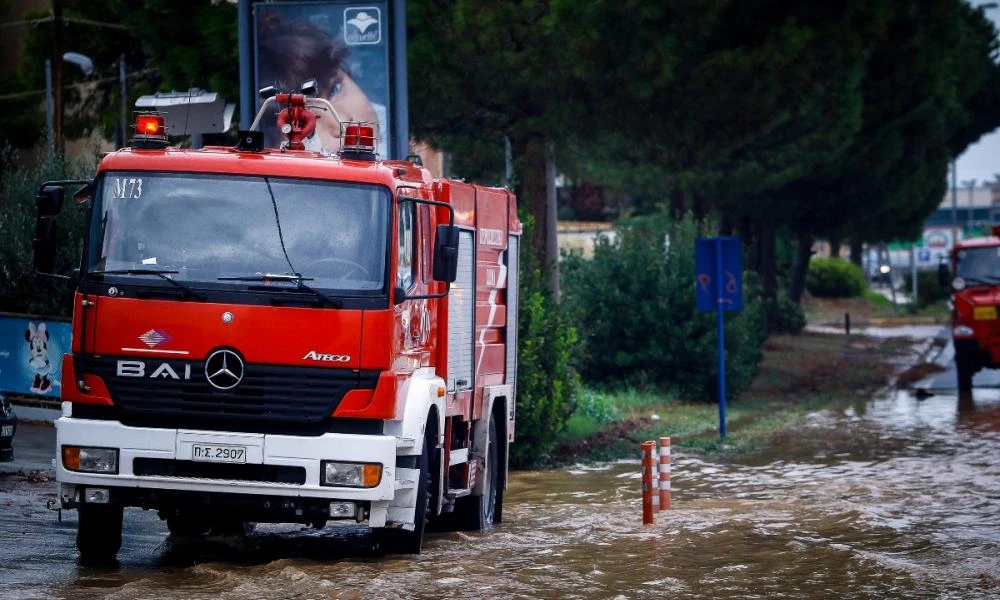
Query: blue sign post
point(718, 265)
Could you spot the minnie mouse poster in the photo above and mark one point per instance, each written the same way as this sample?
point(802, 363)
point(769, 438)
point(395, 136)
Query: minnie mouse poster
point(38, 343)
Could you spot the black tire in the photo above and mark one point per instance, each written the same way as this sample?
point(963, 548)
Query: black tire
point(99, 532)
point(185, 525)
point(478, 513)
point(401, 541)
point(965, 369)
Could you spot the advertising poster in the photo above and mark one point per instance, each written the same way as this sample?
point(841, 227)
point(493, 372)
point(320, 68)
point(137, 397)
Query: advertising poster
point(31, 351)
point(344, 47)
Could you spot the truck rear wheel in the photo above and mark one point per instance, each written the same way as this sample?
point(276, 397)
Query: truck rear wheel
point(401, 541)
point(477, 513)
point(99, 532)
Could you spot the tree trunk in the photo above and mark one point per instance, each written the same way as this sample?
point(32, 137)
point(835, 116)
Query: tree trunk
point(551, 220)
point(699, 206)
point(530, 161)
point(57, 75)
point(747, 233)
point(857, 251)
point(726, 225)
point(798, 283)
point(834, 247)
point(769, 270)
point(677, 203)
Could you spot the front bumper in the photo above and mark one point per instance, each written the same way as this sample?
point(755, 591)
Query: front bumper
point(140, 447)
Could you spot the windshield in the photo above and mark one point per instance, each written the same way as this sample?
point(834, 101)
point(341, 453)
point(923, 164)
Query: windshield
point(229, 229)
point(979, 265)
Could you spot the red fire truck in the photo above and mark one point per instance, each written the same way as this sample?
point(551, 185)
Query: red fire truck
point(281, 335)
point(975, 329)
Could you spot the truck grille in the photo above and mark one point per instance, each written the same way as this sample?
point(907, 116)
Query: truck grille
point(270, 398)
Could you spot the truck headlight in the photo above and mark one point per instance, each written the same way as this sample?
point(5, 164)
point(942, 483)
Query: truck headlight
point(344, 474)
point(90, 460)
point(962, 331)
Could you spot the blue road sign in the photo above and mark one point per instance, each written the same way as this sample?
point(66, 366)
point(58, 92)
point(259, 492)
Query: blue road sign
point(718, 269)
point(709, 294)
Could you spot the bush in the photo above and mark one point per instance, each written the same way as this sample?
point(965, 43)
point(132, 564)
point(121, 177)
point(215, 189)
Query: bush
point(791, 318)
point(21, 290)
point(634, 304)
point(929, 288)
point(834, 278)
point(547, 383)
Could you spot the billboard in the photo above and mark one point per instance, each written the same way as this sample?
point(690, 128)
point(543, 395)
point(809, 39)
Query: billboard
point(344, 47)
point(31, 351)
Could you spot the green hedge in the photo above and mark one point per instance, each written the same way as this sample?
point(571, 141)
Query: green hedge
point(547, 383)
point(634, 305)
point(834, 278)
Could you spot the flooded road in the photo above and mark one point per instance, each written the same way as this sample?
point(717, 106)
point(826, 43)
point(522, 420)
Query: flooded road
point(893, 498)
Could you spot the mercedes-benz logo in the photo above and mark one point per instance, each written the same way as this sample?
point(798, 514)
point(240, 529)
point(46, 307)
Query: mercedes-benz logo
point(224, 369)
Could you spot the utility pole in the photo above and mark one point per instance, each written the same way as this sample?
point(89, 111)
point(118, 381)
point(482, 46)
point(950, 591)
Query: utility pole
point(123, 123)
point(971, 184)
point(57, 74)
point(954, 202)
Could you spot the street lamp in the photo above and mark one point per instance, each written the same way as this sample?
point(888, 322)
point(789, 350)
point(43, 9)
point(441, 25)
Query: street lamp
point(86, 65)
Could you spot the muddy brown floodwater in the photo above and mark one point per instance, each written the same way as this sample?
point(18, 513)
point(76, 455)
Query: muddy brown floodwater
point(892, 498)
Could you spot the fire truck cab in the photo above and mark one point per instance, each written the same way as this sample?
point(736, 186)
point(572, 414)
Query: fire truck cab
point(974, 277)
point(281, 335)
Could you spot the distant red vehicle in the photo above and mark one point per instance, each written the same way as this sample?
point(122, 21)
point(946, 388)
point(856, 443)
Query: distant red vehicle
point(975, 280)
point(277, 335)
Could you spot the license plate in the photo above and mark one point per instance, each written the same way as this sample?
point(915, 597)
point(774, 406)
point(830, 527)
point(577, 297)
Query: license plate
point(7, 431)
point(219, 453)
point(983, 313)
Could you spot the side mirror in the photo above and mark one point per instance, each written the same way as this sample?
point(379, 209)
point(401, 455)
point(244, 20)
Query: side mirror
point(944, 276)
point(446, 253)
point(50, 200)
point(45, 244)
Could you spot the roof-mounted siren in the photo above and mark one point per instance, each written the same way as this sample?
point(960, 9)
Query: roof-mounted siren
point(358, 140)
point(150, 131)
point(295, 120)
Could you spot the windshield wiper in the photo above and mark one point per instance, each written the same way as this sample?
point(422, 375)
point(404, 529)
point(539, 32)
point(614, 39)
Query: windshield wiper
point(295, 278)
point(161, 273)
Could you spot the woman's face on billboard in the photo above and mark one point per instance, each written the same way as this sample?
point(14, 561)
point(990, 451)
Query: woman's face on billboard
point(351, 104)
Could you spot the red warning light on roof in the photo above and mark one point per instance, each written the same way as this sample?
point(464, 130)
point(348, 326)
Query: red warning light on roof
point(359, 138)
point(150, 125)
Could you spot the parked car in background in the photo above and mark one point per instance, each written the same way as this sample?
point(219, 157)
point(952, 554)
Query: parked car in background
point(8, 426)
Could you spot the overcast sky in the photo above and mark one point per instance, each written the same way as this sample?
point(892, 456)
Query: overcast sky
point(982, 159)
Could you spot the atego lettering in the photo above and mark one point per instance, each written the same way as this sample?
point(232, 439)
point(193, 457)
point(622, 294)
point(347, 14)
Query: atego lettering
point(137, 368)
point(313, 355)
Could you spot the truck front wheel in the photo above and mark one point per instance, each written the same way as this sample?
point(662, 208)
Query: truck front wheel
point(964, 369)
point(401, 541)
point(99, 533)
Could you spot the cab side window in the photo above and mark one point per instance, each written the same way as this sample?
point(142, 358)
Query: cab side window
point(405, 245)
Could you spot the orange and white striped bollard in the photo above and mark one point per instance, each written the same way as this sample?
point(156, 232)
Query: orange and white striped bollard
point(664, 473)
point(656, 482)
point(647, 482)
